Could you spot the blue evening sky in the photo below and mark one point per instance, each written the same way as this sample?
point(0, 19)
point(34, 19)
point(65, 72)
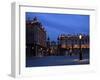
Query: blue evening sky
point(57, 24)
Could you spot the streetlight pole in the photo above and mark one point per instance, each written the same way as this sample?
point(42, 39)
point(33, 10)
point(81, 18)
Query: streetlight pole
point(58, 46)
point(80, 54)
point(72, 44)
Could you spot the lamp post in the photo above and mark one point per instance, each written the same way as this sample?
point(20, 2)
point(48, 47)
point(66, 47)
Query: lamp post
point(58, 46)
point(72, 43)
point(80, 54)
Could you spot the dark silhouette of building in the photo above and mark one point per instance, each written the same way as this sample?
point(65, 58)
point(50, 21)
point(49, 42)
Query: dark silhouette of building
point(35, 38)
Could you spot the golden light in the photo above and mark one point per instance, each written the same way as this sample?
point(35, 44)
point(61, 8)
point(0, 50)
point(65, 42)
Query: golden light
point(63, 46)
point(51, 51)
point(80, 36)
point(41, 48)
point(32, 47)
point(76, 46)
point(47, 50)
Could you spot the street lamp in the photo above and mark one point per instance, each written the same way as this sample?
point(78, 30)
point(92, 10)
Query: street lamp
point(80, 54)
point(80, 36)
point(72, 39)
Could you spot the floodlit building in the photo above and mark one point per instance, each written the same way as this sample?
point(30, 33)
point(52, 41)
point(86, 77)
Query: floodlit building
point(70, 44)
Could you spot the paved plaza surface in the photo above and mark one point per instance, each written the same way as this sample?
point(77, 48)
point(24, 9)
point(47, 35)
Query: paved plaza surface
point(56, 61)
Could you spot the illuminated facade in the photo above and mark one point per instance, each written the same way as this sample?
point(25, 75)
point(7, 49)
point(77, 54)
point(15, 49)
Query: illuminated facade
point(70, 43)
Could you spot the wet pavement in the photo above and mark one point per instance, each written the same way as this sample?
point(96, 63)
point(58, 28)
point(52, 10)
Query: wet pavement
point(56, 61)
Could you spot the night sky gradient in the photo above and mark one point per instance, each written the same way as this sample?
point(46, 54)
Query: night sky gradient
point(57, 24)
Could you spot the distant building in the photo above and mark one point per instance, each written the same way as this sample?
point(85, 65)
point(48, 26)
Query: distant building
point(35, 38)
point(70, 44)
point(53, 48)
point(48, 46)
